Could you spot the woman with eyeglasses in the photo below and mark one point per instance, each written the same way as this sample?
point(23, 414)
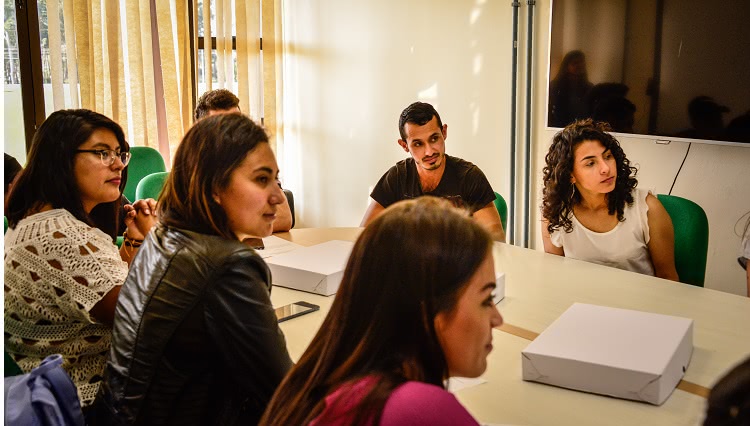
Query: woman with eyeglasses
point(63, 272)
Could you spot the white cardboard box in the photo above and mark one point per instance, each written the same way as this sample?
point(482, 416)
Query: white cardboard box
point(617, 352)
point(317, 269)
point(500, 287)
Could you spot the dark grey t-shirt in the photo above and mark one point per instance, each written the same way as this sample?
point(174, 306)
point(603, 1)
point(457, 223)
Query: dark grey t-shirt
point(462, 183)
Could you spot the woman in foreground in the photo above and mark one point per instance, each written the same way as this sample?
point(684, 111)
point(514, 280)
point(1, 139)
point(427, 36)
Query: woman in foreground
point(414, 308)
point(196, 340)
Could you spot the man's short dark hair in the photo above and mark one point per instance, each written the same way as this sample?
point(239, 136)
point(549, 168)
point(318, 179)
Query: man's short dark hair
point(219, 99)
point(419, 113)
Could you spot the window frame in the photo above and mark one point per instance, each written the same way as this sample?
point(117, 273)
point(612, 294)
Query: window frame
point(200, 45)
point(30, 61)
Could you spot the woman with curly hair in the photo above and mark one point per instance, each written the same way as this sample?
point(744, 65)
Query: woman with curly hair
point(592, 210)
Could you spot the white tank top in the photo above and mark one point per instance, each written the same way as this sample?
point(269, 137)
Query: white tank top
point(624, 247)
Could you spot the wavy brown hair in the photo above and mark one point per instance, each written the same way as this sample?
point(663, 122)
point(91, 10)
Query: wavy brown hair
point(559, 194)
point(411, 263)
point(208, 154)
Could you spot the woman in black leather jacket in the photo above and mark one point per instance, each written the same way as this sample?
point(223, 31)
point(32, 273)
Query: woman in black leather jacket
point(195, 337)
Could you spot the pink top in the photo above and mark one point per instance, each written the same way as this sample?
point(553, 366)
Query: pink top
point(412, 403)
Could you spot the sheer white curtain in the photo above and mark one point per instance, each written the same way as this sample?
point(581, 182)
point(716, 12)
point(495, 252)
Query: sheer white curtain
point(272, 82)
point(131, 60)
point(255, 82)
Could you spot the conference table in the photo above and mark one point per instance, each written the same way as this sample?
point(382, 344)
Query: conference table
point(539, 287)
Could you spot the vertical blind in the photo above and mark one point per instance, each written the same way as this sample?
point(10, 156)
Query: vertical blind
point(132, 61)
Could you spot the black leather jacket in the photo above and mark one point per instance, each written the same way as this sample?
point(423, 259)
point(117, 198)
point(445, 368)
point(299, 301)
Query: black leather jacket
point(195, 338)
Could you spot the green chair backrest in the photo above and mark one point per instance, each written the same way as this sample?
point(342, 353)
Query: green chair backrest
point(143, 161)
point(502, 209)
point(6, 224)
point(290, 200)
point(10, 367)
point(690, 238)
point(151, 186)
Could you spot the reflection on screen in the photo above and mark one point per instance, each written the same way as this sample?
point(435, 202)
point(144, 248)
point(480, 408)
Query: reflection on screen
point(667, 68)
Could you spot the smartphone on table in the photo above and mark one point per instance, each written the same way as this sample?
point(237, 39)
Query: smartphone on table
point(293, 310)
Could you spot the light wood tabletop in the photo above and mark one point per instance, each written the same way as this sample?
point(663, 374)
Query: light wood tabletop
point(539, 287)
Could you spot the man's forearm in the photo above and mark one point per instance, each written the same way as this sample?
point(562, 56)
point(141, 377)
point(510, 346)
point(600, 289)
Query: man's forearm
point(283, 220)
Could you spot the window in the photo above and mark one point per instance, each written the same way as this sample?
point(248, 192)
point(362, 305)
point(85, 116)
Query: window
point(240, 72)
point(13, 135)
point(140, 63)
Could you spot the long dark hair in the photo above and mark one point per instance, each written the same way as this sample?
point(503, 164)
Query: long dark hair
point(563, 75)
point(49, 176)
point(559, 194)
point(409, 264)
point(208, 154)
point(729, 400)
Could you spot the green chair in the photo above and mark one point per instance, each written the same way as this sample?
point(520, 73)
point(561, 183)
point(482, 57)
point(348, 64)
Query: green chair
point(290, 199)
point(151, 186)
point(690, 238)
point(143, 161)
point(502, 209)
point(10, 366)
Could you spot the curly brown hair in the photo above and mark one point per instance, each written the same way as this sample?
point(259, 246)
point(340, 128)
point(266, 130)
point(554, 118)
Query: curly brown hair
point(559, 194)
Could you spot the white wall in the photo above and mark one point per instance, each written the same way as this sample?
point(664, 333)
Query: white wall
point(351, 67)
point(349, 70)
point(716, 177)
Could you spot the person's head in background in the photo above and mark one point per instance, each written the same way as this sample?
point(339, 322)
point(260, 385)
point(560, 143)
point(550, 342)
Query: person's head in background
point(729, 400)
point(738, 130)
point(573, 67)
point(77, 162)
point(584, 160)
point(12, 171)
point(618, 112)
point(706, 116)
point(219, 101)
point(415, 304)
point(224, 180)
point(423, 135)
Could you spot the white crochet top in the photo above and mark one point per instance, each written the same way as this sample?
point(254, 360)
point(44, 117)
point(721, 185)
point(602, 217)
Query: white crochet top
point(56, 269)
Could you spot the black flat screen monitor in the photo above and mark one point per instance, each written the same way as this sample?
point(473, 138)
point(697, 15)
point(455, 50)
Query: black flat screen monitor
point(667, 69)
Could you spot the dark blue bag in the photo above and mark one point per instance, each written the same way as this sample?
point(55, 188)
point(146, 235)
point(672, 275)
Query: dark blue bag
point(45, 396)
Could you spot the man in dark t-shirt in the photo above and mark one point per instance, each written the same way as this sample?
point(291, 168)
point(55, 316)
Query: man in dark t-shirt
point(429, 171)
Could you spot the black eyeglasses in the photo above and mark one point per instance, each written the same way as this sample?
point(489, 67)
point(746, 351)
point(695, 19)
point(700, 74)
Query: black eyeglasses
point(108, 156)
